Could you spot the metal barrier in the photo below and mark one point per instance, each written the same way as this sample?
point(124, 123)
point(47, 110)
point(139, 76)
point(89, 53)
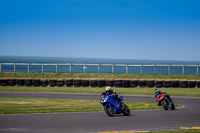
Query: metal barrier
point(103, 68)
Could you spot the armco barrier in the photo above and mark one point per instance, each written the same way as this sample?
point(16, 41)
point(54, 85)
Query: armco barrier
point(125, 83)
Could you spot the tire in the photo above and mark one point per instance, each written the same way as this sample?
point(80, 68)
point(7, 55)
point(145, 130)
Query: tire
point(167, 83)
point(69, 82)
point(175, 83)
point(93, 83)
point(117, 83)
point(165, 106)
point(126, 83)
point(101, 83)
point(125, 110)
point(36, 82)
point(150, 83)
point(60, 83)
point(109, 110)
point(198, 83)
point(133, 83)
point(12, 82)
point(28, 82)
point(173, 107)
point(85, 83)
point(77, 82)
point(184, 84)
point(53, 82)
point(159, 83)
point(192, 84)
point(20, 82)
point(109, 82)
point(44, 82)
point(4, 82)
point(142, 83)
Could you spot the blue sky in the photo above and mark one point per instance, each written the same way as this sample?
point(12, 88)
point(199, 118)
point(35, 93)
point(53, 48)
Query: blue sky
point(120, 29)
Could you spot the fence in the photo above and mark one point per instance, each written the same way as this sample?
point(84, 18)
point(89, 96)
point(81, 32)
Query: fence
point(100, 68)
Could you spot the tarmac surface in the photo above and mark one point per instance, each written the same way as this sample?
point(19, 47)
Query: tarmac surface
point(187, 116)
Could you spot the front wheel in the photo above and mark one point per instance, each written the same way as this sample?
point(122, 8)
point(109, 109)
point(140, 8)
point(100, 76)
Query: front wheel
point(165, 106)
point(172, 106)
point(125, 109)
point(109, 110)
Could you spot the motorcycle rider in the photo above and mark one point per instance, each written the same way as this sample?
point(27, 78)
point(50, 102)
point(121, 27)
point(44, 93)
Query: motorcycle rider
point(112, 93)
point(158, 95)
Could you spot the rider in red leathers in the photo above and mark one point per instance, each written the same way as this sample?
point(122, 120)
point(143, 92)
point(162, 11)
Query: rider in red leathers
point(160, 95)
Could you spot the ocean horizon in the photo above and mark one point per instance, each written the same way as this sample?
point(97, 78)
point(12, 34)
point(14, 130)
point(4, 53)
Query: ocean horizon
point(81, 60)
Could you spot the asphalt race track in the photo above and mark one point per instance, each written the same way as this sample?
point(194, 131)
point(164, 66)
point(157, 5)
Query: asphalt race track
point(189, 115)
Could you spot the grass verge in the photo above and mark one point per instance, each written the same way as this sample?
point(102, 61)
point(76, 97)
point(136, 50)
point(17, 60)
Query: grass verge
point(177, 131)
point(95, 75)
point(189, 92)
point(13, 105)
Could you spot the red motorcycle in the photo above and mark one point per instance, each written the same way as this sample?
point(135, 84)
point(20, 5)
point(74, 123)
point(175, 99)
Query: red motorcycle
point(165, 101)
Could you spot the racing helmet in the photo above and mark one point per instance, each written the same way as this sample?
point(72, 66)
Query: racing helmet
point(157, 91)
point(108, 88)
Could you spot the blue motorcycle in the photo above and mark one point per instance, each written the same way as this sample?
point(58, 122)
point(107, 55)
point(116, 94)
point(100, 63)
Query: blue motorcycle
point(113, 106)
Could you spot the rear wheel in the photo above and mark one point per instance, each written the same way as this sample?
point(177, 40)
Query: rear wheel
point(173, 107)
point(125, 109)
point(109, 110)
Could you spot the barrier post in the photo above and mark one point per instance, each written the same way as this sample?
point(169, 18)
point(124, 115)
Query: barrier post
point(98, 68)
point(155, 69)
point(56, 68)
point(84, 68)
point(0, 67)
point(42, 68)
point(14, 67)
point(141, 70)
point(112, 68)
point(169, 69)
point(183, 70)
point(28, 67)
point(70, 68)
point(126, 69)
point(197, 70)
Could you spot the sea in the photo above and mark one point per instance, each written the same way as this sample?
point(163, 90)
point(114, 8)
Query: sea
point(117, 66)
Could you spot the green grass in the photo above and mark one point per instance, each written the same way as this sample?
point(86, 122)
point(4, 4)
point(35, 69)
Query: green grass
point(13, 105)
point(95, 75)
point(177, 131)
point(189, 92)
